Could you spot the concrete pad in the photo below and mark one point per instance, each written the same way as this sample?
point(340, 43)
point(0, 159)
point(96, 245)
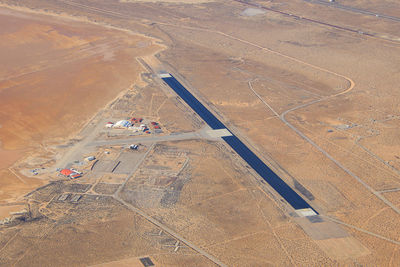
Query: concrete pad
point(332, 238)
point(321, 230)
point(218, 133)
point(76, 198)
point(306, 212)
point(104, 166)
point(127, 162)
point(315, 219)
point(164, 75)
point(342, 248)
point(249, 12)
point(63, 197)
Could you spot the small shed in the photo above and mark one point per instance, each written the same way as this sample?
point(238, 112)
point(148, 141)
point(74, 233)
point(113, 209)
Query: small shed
point(134, 147)
point(90, 158)
point(75, 175)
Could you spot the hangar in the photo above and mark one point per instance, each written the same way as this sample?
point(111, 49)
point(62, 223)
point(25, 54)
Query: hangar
point(122, 124)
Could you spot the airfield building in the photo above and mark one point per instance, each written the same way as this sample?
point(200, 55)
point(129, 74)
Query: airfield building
point(122, 124)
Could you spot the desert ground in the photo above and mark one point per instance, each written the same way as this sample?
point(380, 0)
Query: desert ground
point(311, 88)
point(77, 68)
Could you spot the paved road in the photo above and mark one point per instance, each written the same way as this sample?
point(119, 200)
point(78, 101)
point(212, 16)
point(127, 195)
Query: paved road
point(143, 139)
point(353, 9)
point(203, 133)
point(299, 17)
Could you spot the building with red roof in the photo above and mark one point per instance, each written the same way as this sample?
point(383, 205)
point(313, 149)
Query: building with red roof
point(70, 173)
point(66, 172)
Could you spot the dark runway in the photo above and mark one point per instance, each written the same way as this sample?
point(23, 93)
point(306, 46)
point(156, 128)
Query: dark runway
point(294, 199)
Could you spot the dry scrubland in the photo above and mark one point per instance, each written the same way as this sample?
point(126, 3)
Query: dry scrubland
point(258, 73)
point(370, 24)
point(389, 7)
point(207, 196)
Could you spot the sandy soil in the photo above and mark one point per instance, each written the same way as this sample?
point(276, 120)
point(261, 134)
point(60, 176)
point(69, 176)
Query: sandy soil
point(6, 210)
point(56, 74)
point(8, 157)
point(169, 1)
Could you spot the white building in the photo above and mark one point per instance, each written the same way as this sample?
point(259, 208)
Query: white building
point(122, 124)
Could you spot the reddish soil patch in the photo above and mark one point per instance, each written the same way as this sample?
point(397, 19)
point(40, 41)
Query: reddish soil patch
point(55, 74)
